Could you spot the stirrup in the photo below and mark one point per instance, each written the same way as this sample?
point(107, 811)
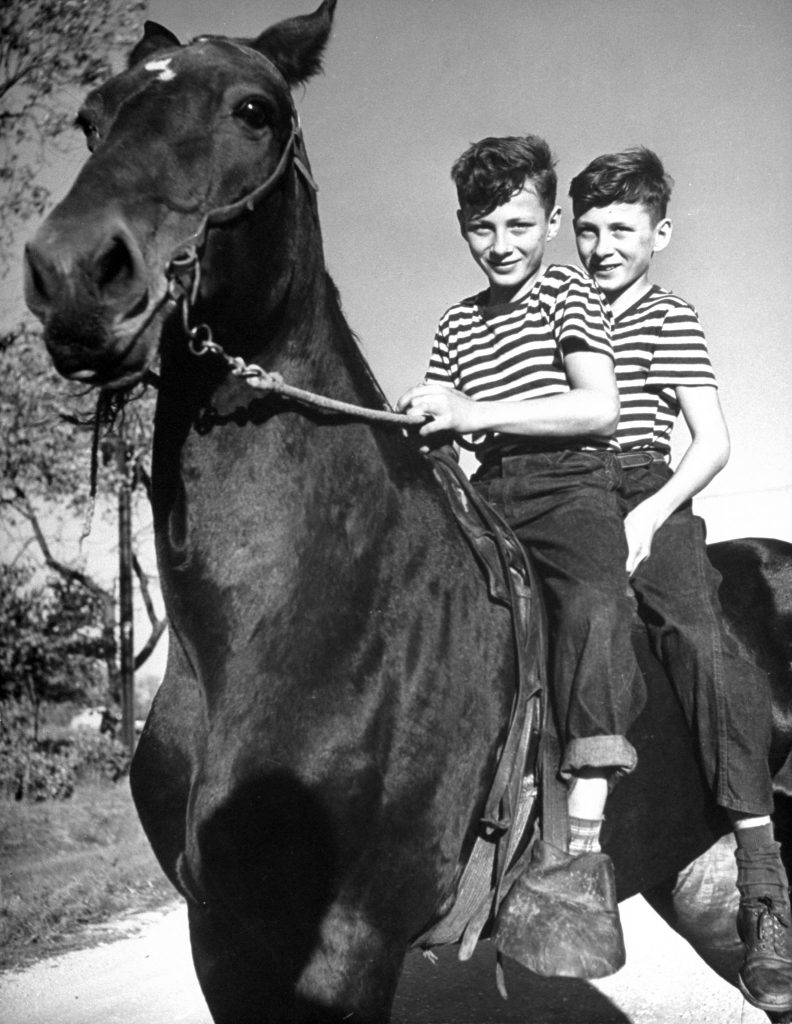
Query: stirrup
point(561, 918)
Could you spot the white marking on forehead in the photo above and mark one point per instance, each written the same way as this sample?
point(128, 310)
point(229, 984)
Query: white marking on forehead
point(164, 67)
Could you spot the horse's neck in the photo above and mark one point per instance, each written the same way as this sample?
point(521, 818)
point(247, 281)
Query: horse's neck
point(227, 453)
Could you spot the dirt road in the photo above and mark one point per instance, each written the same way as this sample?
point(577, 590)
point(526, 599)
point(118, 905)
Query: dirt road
point(147, 978)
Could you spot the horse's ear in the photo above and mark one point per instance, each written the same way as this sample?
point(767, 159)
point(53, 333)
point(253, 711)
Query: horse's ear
point(155, 38)
point(295, 46)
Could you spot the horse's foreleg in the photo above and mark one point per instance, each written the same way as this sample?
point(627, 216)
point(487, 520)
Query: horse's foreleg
point(163, 763)
point(354, 969)
point(251, 978)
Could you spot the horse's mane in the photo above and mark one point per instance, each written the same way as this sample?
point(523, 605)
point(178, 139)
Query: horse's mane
point(356, 347)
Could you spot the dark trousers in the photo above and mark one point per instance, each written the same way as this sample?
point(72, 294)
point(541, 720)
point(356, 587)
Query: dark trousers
point(564, 510)
point(725, 696)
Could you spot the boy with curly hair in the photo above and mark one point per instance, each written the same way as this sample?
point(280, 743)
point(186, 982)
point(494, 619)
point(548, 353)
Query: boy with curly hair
point(524, 369)
point(663, 369)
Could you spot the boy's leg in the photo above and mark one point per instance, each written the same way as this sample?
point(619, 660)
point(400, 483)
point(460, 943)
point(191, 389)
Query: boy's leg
point(588, 795)
point(726, 701)
point(563, 508)
point(561, 916)
point(724, 694)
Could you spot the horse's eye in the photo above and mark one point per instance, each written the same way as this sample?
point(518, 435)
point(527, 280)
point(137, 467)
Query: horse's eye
point(254, 112)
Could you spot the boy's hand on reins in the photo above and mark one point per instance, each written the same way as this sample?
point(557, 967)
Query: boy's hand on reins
point(440, 408)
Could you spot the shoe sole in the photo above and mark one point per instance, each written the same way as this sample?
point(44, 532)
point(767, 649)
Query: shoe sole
point(767, 1007)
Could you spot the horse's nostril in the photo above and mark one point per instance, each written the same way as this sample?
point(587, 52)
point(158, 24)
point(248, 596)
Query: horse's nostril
point(115, 268)
point(118, 275)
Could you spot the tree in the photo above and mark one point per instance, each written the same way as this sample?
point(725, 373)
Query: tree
point(47, 468)
point(55, 434)
point(50, 646)
point(51, 51)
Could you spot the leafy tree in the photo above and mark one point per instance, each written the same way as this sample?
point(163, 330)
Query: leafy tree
point(51, 647)
point(46, 468)
point(51, 52)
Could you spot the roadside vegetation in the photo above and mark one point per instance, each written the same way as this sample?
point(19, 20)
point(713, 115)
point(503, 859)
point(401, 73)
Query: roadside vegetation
point(66, 864)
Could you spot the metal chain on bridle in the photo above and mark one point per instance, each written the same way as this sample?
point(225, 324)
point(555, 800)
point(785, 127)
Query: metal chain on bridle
point(183, 273)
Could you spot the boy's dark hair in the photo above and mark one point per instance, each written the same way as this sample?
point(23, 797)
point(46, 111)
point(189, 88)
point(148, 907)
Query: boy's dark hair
point(489, 172)
point(635, 175)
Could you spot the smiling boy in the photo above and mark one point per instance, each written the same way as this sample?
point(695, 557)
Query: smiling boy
point(525, 369)
point(662, 368)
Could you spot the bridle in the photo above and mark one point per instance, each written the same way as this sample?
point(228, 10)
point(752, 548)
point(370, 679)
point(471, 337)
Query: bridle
point(183, 276)
point(183, 273)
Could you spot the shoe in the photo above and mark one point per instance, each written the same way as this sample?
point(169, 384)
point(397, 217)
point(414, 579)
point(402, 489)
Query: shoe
point(764, 925)
point(765, 978)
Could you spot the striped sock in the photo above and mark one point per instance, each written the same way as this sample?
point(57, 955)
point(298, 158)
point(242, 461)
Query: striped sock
point(584, 834)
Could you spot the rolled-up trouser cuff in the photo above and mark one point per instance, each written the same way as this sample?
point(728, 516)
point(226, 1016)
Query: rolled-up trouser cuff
point(614, 752)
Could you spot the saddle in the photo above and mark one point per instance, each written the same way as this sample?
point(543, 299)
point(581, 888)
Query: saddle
point(518, 886)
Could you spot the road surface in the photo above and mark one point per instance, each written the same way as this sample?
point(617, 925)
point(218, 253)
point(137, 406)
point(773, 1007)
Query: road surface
point(147, 978)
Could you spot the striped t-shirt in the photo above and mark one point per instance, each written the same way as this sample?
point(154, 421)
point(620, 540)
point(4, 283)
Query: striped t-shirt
point(516, 351)
point(659, 346)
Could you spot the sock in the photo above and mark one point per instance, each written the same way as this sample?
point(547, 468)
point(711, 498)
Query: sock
point(754, 838)
point(760, 871)
point(584, 835)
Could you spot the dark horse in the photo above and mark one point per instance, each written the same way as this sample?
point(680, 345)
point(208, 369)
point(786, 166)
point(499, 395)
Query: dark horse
point(338, 684)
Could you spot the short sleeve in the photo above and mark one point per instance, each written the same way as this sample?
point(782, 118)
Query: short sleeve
point(440, 369)
point(582, 318)
point(680, 357)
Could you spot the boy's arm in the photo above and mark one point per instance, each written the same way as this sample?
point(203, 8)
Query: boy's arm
point(705, 457)
point(591, 406)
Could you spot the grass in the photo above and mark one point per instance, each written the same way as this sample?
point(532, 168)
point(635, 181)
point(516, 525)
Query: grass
point(66, 864)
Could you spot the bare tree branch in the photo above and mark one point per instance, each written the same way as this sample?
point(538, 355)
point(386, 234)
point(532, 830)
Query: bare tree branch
point(158, 625)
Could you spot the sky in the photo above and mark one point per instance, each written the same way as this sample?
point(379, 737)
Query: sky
point(408, 84)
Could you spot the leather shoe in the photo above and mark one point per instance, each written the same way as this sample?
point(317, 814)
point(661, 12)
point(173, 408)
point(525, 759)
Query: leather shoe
point(765, 978)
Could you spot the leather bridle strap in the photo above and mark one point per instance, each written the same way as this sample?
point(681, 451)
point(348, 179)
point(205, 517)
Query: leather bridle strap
point(185, 255)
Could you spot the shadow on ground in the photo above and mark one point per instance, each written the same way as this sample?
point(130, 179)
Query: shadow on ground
point(465, 993)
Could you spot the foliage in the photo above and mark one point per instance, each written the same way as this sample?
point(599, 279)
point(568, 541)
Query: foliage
point(52, 768)
point(65, 865)
point(51, 51)
point(46, 454)
point(51, 643)
point(27, 773)
point(47, 470)
point(48, 424)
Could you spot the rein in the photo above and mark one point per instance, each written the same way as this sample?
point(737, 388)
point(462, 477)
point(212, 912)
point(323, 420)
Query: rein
point(261, 380)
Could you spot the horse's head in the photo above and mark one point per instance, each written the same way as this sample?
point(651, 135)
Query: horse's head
point(187, 139)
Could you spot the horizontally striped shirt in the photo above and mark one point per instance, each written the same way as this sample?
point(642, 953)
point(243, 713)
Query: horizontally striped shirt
point(516, 351)
point(659, 346)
